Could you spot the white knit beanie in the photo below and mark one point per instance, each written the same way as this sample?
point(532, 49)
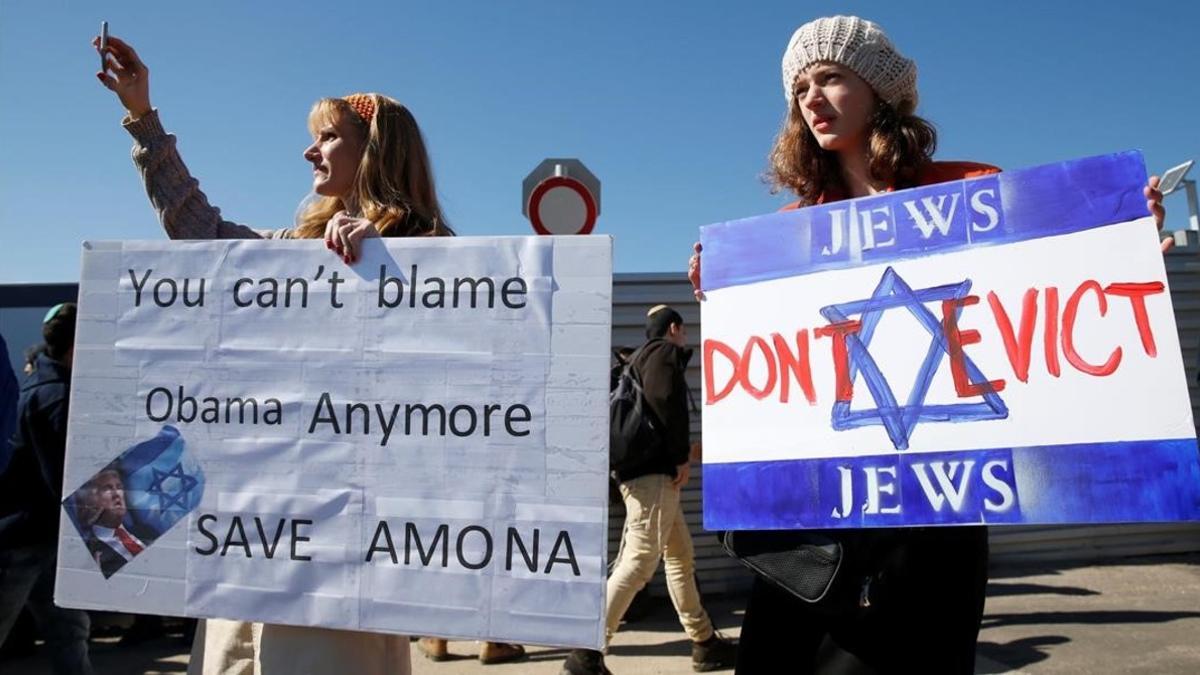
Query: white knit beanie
point(858, 44)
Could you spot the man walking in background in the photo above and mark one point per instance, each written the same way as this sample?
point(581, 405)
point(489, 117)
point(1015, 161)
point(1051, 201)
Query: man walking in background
point(650, 485)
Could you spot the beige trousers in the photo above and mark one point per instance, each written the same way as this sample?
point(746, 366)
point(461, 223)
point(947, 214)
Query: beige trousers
point(241, 648)
point(655, 529)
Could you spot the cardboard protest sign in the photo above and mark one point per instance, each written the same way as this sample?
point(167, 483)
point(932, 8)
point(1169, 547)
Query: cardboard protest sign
point(412, 444)
point(997, 350)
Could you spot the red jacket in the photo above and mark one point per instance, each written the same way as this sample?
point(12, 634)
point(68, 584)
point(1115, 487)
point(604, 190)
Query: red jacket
point(934, 172)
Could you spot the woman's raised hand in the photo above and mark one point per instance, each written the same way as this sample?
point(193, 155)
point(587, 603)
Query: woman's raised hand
point(344, 235)
point(694, 271)
point(125, 75)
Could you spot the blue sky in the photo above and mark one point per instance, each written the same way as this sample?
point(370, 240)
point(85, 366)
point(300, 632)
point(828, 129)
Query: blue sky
point(673, 105)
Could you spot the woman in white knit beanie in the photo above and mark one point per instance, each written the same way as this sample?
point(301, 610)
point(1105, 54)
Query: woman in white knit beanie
point(904, 600)
point(850, 123)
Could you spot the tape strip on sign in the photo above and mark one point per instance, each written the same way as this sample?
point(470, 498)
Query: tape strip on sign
point(551, 225)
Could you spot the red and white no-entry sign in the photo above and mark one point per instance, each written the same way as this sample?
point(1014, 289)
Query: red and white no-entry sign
point(561, 196)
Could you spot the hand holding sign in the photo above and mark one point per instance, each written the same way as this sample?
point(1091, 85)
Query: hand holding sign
point(1154, 204)
point(694, 271)
point(344, 235)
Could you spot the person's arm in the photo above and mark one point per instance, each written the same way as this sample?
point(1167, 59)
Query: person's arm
point(661, 386)
point(9, 394)
point(51, 441)
point(694, 271)
point(44, 432)
point(182, 208)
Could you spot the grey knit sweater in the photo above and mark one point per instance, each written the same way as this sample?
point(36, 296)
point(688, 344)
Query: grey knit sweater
point(182, 208)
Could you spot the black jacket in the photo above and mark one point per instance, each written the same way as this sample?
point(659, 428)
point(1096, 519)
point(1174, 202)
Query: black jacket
point(661, 366)
point(31, 485)
point(10, 391)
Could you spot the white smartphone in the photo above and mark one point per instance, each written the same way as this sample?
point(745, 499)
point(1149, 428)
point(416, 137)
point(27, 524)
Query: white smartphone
point(103, 46)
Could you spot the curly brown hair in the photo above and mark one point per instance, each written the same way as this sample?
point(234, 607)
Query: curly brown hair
point(900, 144)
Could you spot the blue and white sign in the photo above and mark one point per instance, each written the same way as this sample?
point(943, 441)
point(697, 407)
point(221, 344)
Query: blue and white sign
point(995, 350)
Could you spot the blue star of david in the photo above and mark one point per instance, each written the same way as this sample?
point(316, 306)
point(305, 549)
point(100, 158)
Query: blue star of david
point(900, 420)
point(177, 498)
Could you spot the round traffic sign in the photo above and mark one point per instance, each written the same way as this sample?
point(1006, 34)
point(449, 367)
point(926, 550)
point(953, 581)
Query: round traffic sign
point(562, 205)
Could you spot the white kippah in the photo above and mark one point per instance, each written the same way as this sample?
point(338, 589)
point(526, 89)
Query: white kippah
point(858, 44)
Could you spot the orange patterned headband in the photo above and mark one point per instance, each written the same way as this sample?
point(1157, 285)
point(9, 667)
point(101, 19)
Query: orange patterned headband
point(362, 104)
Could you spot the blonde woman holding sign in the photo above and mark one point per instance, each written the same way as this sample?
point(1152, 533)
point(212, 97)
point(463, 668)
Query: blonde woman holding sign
point(850, 131)
point(372, 177)
point(370, 169)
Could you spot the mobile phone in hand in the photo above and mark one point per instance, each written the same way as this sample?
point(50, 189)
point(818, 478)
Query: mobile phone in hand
point(103, 46)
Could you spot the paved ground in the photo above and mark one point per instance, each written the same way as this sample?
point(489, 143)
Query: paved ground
point(1139, 616)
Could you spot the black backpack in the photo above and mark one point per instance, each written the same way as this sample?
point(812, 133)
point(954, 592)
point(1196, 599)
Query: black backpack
point(635, 433)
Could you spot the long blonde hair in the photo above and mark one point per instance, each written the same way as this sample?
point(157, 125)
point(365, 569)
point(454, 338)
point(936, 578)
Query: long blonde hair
point(900, 144)
point(394, 183)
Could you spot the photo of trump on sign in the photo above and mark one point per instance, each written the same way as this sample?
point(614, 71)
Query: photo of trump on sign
point(135, 499)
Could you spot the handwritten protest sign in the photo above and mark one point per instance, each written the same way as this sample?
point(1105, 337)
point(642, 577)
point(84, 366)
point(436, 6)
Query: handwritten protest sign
point(997, 350)
point(414, 444)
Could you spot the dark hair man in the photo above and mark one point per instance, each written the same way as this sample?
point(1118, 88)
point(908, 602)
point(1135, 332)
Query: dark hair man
point(30, 493)
point(654, 525)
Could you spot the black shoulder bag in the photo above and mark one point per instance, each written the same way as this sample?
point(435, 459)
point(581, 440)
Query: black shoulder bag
point(635, 433)
point(837, 575)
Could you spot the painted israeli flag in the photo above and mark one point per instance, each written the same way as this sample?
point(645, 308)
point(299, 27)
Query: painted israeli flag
point(163, 482)
point(999, 350)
